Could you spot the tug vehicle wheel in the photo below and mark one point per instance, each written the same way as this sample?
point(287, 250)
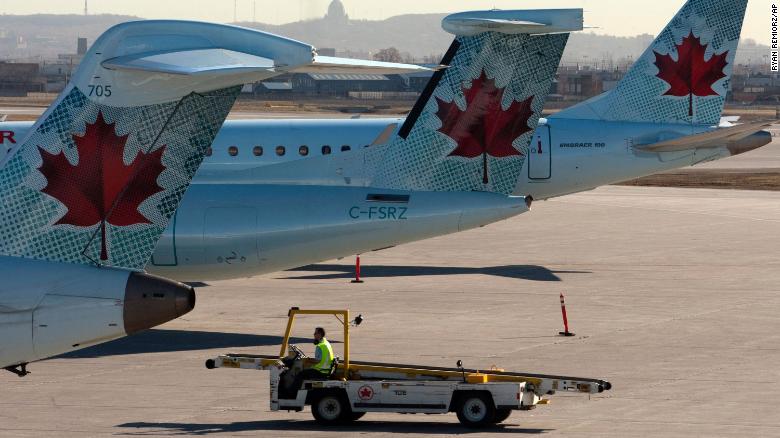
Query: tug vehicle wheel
point(476, 410)
point(331, 408)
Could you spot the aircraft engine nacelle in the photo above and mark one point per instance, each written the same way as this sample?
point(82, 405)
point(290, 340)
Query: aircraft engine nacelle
point(50, 308)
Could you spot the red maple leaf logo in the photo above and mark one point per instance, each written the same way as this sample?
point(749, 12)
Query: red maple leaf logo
point(484, 128)
point(101, 188)
point(691, 74)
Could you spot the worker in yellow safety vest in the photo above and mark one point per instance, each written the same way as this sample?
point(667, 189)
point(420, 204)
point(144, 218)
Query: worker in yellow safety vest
point(323, 354)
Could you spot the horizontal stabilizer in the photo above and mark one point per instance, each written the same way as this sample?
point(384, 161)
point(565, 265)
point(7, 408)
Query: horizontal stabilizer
point(272, 56)
point(717, 138)
point(532, 22)
point(330, 64)
point(191, 62)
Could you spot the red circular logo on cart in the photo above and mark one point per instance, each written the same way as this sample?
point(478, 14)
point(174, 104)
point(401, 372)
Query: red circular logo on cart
point(366, 392)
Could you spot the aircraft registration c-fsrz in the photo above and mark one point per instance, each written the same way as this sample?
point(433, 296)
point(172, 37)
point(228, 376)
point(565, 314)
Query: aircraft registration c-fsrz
point(378, 213)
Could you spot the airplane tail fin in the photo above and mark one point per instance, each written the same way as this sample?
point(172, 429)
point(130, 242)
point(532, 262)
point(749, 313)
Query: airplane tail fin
point(98, 176)
point(471, 127)
point(683, 77)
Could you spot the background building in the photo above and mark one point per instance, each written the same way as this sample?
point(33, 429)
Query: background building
point(18, 79)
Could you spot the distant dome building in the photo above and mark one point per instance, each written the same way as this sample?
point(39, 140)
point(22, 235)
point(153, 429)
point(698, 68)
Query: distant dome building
point(337, 13)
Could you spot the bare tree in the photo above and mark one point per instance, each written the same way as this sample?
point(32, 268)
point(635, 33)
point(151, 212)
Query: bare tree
point(390, 54)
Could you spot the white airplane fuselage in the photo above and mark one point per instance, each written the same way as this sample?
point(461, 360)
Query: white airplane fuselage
point(250, 212)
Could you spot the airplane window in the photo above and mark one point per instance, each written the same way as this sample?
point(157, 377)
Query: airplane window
point(258, 151)
point(280, 150)
point(303, 150)
point(209, 151)
point(233, 151)
point(326, 150)
point(345, 148)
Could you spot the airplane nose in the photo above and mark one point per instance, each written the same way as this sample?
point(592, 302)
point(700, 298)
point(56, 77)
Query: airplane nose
point(151, 301)
point(750, 142)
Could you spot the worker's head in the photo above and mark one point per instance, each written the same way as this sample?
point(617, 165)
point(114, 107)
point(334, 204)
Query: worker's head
point(319, 333)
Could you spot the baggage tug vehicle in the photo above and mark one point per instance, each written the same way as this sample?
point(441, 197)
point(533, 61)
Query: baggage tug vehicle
point(353, 388)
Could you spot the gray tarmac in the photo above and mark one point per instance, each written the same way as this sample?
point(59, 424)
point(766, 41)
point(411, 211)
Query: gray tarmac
point(673, 295)
point(22, 110)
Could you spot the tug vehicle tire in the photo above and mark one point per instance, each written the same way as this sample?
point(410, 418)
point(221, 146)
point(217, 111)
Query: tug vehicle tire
point(475, 410)
point(331, 408)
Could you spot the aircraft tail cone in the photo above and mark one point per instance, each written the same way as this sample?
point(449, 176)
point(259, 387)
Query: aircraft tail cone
point(151, 301)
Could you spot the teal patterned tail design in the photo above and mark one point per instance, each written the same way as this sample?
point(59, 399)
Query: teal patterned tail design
point(96, 184)
point(471, 131)
point(683, 77)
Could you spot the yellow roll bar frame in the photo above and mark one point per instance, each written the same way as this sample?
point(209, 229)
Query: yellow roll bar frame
point(343, 313)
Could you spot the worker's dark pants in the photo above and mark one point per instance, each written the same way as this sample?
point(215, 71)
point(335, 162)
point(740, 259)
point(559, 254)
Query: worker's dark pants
point(307, 374)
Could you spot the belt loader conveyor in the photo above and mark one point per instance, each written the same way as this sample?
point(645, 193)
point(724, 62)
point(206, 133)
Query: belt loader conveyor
point(479, 397)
